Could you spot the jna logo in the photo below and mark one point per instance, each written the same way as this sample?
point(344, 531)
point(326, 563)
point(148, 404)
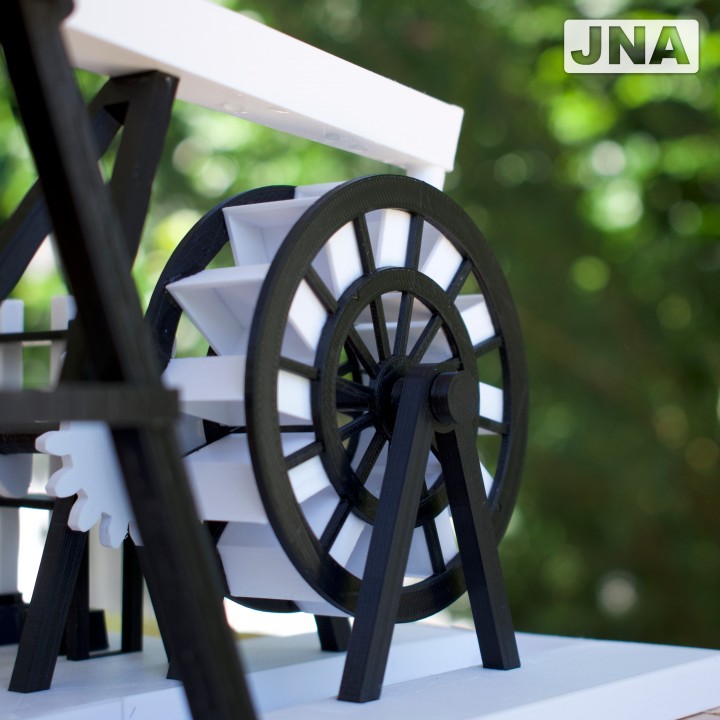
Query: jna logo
point(632, 46)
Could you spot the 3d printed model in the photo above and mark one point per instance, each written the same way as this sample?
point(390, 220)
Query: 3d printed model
point(353, 432)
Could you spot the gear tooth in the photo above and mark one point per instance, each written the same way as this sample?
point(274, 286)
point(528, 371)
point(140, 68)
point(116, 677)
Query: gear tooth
point(84, 515)
point(112, 531)
point(63, 483)
point(52, 443)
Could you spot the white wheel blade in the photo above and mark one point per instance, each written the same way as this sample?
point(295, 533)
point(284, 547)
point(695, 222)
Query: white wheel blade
point(491, 402)
point(256, 566)
point(442, 263)
point(256, 231)
point(418, 564)
point(476, 317)
point(189, 433)
point(308, 479)
point(223, 484)
point(338, 263)
point(293, 398)
point(358, 558)
point(221, 304)
point(212, 388)
point(15, 470)
point(319, 508)
point(393, 233)
point(306, 321)
point(347, 538)
point(446, 535)
point(487, 479)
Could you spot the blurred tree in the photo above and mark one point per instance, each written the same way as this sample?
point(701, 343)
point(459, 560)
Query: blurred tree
point(599, 194)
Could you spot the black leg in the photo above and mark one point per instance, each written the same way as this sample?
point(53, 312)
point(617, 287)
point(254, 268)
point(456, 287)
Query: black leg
point(478, 548)
point(54, 587)
point(390, 543)
point(132, 600)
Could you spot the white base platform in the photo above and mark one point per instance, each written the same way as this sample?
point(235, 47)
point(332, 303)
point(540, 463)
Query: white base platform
point(432, 673)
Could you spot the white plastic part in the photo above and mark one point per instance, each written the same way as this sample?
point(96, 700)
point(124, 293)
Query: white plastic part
point(309, 478)
point(442, 263)
point(491, 402)
point(223, 484)
point(393, 233)
point(338, 263)
point(90, 471)
point(15, 470)
point(220, 302)
point(63, 309)
point(256, 566)
point(476, 317)
point(241, 67)
point(257, 230)
point(212, 388)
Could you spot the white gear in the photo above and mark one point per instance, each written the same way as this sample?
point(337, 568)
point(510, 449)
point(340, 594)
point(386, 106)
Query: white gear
point(92, 472)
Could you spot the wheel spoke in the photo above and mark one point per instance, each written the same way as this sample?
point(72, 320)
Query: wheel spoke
point(303, 454)
point(382, 342)
point(370, 457)
point(335, 524)
point(297, 368)
point(458, 281)
point(488, 345)
point(403, 324)
point(412, 258)
point(432, 540)
point(321, 290)
point(361, 352)
point(297, 428)
point(351, 395)
point(355, 426)
point(367, 259)
point(426, 337)
point(493, 426)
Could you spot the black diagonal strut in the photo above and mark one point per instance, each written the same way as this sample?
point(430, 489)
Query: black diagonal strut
point(182, 574)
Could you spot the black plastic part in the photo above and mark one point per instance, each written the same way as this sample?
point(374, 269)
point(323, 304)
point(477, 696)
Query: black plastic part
point(334, 633)
point(377, 607)
point(181, 575)
point(131, 638)
point(12, 616)
point(423, 391)
point(293, 264)
point(478, 548)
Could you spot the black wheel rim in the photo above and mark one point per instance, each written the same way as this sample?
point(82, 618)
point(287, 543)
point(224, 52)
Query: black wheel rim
point(293, 265)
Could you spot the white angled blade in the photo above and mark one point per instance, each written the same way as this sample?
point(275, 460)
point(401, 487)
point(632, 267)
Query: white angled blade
point(319, 508)
point(491, 402)
point(211, 387)
point(487, 479)
point(309, 478)
point(347, 538)
point(393, 233)
point(256, 566)
point(15, 470)
point(257, 230)
point(293, 398)
point(306, 321)
point(442, 263)
point(356, 562)
point(338, 263)
point(476, 317)
point(222, 482)
point(221, 303)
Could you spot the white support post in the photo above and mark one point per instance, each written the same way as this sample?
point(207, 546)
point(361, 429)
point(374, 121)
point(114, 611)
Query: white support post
point(15, 470)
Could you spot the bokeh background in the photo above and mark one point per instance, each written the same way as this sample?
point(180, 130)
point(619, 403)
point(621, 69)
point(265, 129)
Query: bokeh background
point(600, 196)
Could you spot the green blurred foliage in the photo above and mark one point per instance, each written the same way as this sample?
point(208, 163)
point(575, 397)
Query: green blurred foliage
point(600, 196)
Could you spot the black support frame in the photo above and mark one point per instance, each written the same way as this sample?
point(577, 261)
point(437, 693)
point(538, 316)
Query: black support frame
point(94, 245)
